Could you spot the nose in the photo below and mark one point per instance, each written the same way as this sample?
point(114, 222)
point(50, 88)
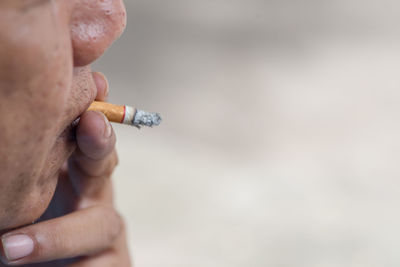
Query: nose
point(95, 25)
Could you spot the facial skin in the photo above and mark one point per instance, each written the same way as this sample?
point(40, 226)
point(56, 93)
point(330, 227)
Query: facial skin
point(45, 84)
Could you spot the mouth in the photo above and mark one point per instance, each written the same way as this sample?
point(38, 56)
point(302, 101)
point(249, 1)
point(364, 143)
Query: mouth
point(69, 133)
point(83, 93)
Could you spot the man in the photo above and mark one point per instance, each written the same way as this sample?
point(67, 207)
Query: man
point(46, 155)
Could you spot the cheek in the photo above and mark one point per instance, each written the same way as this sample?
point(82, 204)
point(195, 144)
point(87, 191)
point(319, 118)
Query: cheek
point(34, 85)
point(36, 60)
point(35, 82)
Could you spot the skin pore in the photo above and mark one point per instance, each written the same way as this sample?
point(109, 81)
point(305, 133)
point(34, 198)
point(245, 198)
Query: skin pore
point(45, 84)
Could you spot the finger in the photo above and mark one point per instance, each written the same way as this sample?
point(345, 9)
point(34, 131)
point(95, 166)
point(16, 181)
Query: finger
point(95, 136)
point(82, 167)
point(102, 86)
point(92, 164)
point(117, 255)
point(82, 233)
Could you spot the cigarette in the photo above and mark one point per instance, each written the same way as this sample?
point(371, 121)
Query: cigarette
point(126, 114)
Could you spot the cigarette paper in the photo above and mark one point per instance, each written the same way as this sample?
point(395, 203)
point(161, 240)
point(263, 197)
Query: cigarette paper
point(126, 114)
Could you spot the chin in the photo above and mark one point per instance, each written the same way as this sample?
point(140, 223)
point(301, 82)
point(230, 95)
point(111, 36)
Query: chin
point(28, 211)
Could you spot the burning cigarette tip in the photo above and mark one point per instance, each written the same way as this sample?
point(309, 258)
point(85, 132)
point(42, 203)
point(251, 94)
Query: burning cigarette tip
point(144, 118)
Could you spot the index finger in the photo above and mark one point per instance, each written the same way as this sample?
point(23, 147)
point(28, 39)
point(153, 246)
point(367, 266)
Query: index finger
point(62, 238)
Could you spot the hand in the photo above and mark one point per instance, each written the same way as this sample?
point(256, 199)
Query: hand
point(81, 223)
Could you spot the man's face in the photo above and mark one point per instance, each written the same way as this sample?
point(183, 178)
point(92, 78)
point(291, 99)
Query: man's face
point(46, 47)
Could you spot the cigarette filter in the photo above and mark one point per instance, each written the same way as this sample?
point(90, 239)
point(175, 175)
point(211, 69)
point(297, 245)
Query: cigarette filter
point(126, 114)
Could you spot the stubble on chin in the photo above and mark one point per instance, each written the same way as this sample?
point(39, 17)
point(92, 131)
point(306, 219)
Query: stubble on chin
point(25, 202)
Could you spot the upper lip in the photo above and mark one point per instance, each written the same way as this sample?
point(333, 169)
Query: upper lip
point(83, 93)
point(78, 103)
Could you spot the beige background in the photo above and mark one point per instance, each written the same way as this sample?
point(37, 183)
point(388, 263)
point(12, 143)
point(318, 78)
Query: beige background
point(279, 145)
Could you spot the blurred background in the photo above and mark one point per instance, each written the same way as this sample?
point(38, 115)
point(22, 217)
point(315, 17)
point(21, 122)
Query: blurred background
point(279, 145)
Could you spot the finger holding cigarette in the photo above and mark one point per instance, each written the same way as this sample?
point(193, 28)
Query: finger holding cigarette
point(126, 114)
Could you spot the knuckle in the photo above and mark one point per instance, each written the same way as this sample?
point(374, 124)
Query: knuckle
point(79, 163)
point(46, 242)
point(116, 225)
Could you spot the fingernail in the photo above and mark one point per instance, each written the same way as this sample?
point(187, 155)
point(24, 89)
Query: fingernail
point(17, 246)
point(108, 129)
